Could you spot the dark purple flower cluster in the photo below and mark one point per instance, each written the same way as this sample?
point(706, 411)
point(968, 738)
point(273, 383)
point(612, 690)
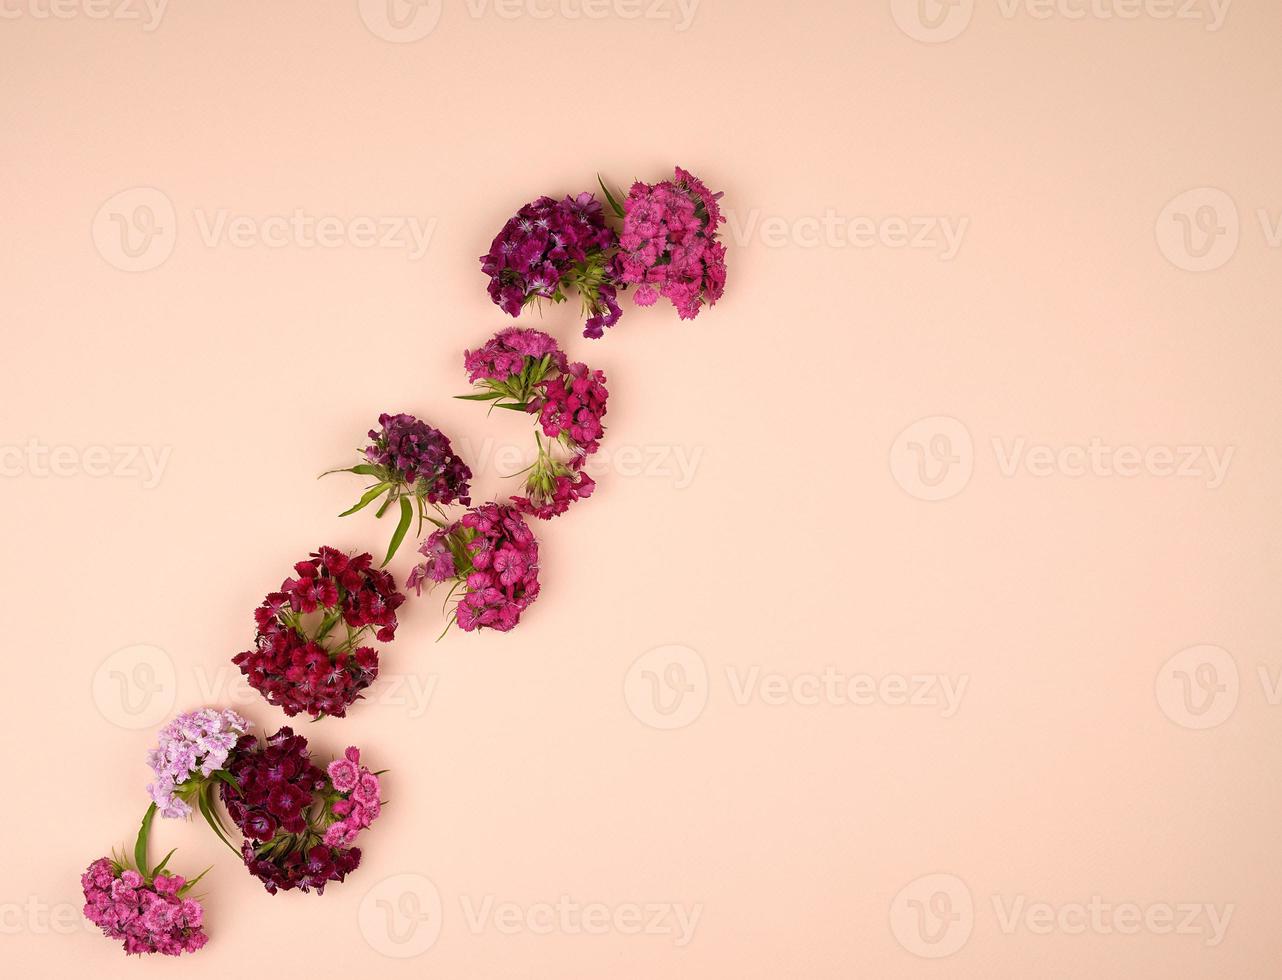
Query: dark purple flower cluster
point(282, 803)
point(549, 247)
point(493, 556)
point(420, 458)
point(149, 916)
point(669, 244)
point(295, 664)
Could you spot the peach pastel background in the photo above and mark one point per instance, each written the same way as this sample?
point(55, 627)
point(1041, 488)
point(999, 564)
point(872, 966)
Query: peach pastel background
point(761, 522)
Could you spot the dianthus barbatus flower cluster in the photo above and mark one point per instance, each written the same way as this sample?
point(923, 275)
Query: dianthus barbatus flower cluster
point(299, 821)
point(492, 558)
point(550, 247)
point(669, 244)
point(301, 661)
point(668, 247)
point(190, 751)
point(525, 371)
point(414, 465)
point(150, 911)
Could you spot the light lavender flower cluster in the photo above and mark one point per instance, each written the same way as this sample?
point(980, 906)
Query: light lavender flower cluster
point(195, 742)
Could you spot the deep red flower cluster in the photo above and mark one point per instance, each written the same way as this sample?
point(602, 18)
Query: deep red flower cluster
point(298, 663)
point(274, 805)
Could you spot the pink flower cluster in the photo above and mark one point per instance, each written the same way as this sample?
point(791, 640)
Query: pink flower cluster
point(669, 244)
point(149, 916)
point(493, 557)
point(504, 356)
point(358, 802)
point(191, 748)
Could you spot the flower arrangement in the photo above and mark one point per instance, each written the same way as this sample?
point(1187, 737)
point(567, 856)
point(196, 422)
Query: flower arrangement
point(297, 663)
point(491, 557)
point(414, 465)
point(524, 370)
point(550, 247)
point(149, 910)
point(668, 247)
point(299, 821)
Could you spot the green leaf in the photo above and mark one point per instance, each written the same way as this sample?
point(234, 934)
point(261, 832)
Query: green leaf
point(192, 884)
point(229, 779)
point(407, 516)
point(163, 862)
point(615, 206)
point(140, 845)
point(367, 469)
point(207, 811)
point(511, 408)
point(485, 396)
point(370, 496)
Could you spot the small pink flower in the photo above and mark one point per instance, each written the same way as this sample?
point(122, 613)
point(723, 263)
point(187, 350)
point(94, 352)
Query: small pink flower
point(366, 791)
point(344, 774)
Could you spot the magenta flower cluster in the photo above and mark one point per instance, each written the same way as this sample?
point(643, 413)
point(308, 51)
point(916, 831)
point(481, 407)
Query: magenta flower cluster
point(509, 353)
point(493, 558)
point(669, 244)
point(148, 916)
point(192, 747)
point(550, 247)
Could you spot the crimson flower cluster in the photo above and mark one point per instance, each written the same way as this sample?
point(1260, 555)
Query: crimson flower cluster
point(550, 247)
point(285, 807)
point(298, 663)
point(492, 557)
